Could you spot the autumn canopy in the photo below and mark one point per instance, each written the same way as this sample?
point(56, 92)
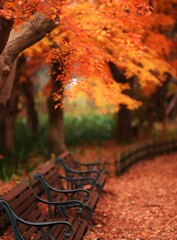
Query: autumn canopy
point(86, 35)
point(107, 49)
point(94, 78)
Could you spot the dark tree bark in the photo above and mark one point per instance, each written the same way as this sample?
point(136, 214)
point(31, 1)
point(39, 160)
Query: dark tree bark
point(11, 110)
point(8, 113)
point(8, 92)
point(5, 28)
point(124, 127)
point(32, 117)
point(27, 89)
point(7, 126)
point(155, 109)
point(56, 118)
point(124, 116)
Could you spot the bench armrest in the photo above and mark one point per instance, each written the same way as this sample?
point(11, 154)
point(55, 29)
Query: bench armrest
point(71, 203)
point(63, 206)
point(80, 172)
point(90, 165)
point(67, 192)
point(39, 225)
point(85, 173)
point(80, 182)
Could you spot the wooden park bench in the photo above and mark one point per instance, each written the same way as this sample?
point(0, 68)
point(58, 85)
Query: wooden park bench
point(50, 183)
point(27, 221)
point(76, 169)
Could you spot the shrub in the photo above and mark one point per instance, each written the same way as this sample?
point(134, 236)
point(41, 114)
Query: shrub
point(88, 128)
point(78, 129)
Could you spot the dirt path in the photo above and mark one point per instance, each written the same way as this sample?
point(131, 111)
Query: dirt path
point(141, 204)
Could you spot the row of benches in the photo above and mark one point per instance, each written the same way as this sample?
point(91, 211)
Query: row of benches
point(70, 201)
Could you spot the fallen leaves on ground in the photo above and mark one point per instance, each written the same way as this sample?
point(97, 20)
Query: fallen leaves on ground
point(4, 187)
point(139, 205)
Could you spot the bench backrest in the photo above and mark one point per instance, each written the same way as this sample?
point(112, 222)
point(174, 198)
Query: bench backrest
point(67, 160)
point(51, 175)
point(25, 205)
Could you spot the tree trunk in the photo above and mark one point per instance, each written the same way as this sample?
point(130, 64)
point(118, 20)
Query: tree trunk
point(56, 118)
point(8, 113)
point(28, 90)
point(32, 117)
point(124, 118)
point(124, 128)
point(9, 118)
point(150, 117)
point(10, 46)
point(11, 110)
point(155, 109)
point(9, 121)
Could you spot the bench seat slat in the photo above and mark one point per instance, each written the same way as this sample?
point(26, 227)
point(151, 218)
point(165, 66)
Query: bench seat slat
point(58, 233)
point(80, 228)
point(28, 232)
point(9, 196)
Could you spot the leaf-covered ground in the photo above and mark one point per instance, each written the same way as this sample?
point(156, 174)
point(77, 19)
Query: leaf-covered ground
point(139, 205)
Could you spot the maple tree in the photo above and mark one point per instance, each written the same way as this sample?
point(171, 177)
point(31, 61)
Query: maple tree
point(34, 19)
point(73, 38)
point(70, 42)
point(127, 49)
point(143, 67)
point(163, 32)
point(155, 69)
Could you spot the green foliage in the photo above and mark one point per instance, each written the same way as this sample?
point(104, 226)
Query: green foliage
point(11, 164)
point(27, 144)
point(78, 129)
point(34, 143)
point(89, 128)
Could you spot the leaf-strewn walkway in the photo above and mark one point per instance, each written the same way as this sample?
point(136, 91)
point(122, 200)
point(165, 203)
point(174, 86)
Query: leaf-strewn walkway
point(141, 204)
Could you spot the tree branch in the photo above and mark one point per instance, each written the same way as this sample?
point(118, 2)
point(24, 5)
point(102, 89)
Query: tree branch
point(28, 34)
